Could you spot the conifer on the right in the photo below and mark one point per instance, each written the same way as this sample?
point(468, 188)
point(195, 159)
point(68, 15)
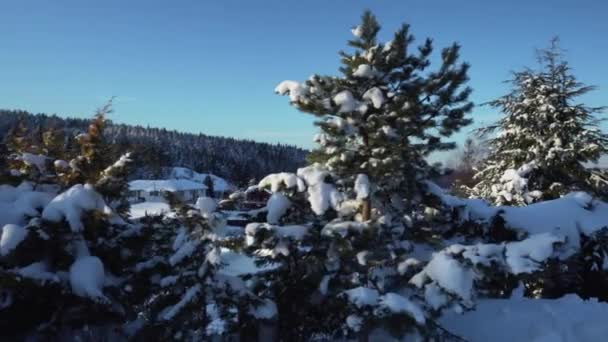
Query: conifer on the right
point(545, 138)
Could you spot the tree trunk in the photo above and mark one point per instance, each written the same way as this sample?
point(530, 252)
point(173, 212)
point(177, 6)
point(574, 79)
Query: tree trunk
point(366, 210)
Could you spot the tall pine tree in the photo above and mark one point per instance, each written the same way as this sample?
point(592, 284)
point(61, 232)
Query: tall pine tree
point(544, 139)
point(386, 112)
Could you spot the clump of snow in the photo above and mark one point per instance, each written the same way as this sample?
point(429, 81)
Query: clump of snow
point(295, 232)
point(347, 102)
point(188, 297)
point(362, 187)
point(206, 205)
point(17, 203)
point(36, 160)
point(216, 325)
point(342, 228)
point(434, 296)
point(71, 204)
point(38, 271)
point(354, 322)
point(321, 195)
point(277, 206)
point(61, 164)
point(396, 303)
point(357, 31)
point(120, 163)
point(87, 277)
point(294, 89)
point(238, 264)
point(266, 310)
point(375, 96)
point(184, 251)
point(449, 274)
point(180, 238)
point(340, 124)
point(284, 180)
point(12, 235)
point(168, 281)
point(365, 70)
point(526, 256)
point(362, 296)
point(390, 132)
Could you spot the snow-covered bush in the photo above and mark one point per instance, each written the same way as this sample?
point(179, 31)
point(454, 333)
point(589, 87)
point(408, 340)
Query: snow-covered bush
point(563, 243)
point(65, 250)
point(327, 273)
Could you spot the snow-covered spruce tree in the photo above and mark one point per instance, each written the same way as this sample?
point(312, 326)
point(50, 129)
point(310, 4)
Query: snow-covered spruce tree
point(65, 254)
point(385, 113)
point(187, 299)
point(30, 153)
point(323, 275)
point(544, 139)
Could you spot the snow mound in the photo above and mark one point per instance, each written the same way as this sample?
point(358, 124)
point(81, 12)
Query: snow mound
point(567, 319)
point(362, 296)
point(206, 205)
point(71, 204)
point(87, 277)
point(568, 216)
point(277, 206)
point(449, 274)
point(12, 235)
point(284, 180)
point(396, 303)
point(17, 203)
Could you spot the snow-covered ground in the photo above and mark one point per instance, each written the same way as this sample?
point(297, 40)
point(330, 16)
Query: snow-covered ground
point(567, 319)
point(140, 210)
point(515, 319)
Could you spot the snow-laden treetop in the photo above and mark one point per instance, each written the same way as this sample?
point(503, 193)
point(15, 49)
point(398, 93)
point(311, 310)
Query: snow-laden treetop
point(386, 111)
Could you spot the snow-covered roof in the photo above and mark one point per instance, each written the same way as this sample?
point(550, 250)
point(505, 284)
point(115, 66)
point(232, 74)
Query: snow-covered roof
point(219, 184)
point(171, 185)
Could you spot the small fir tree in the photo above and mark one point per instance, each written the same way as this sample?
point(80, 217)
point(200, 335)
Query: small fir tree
point(544, 139)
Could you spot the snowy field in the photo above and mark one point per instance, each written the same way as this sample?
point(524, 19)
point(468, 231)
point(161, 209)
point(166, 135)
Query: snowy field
point(567, 319)
point(140, 210)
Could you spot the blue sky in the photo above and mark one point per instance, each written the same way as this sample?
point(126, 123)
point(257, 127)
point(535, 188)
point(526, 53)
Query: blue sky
point(211, 66)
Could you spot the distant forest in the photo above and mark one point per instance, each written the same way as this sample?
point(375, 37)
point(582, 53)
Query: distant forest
point(234, 159)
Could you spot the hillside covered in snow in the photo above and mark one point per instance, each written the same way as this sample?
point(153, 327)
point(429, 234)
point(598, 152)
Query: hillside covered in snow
point(233, 159)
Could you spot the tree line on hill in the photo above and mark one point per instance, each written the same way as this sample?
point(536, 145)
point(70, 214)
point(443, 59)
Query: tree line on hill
point(234, 159)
